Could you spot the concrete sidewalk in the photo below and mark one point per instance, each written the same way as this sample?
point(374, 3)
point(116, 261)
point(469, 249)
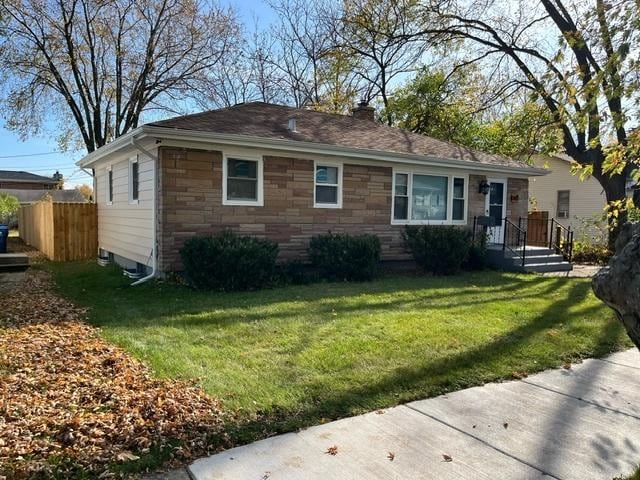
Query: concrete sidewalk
point(581, 423)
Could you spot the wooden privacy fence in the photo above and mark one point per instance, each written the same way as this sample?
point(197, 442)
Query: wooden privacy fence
point(62, 231)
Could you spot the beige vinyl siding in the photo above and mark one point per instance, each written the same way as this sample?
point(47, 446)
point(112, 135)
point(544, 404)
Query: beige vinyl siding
point(126, 228)
point(586, 200)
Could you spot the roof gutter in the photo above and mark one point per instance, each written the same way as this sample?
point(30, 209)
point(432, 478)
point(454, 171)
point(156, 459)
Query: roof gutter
point(299, 146)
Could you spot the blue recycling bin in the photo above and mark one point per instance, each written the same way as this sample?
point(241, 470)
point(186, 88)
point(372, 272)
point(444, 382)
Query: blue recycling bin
point(4, 234)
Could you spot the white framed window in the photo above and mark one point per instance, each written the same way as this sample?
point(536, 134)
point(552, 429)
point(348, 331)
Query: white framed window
point(242, 180)
point(564, 197)
point(401, 196)
point(134, 180)
point(327, 185)
point(109, 185)
point(459, 197)
point(429, 198)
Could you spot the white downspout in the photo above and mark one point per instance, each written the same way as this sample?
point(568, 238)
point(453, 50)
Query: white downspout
point(154, 261)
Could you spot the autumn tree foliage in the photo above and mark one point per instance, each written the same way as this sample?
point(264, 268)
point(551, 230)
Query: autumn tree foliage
point(578, 59)
point(89, 70)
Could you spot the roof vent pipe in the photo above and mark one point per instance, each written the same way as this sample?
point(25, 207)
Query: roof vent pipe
point(291, 125)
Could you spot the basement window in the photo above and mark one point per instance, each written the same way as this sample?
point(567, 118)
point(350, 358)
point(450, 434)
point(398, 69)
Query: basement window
point(242, 182)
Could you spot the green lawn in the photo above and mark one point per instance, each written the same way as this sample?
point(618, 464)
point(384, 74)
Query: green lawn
point(296, 356)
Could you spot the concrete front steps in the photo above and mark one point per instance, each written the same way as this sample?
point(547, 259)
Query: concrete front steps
point(11, 262)
point(537, 259)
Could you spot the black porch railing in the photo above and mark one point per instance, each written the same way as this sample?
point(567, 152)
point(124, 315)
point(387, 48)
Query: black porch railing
point(515, 240)
point(515, 235)
point(552, 234)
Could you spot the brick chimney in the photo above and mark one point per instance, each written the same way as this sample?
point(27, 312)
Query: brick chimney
point(363, 112)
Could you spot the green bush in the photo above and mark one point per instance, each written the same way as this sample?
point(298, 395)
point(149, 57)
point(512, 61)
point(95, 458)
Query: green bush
point(596, 254)
point(345, 257)
point(295, 272)
point(439, 249)
point(229, 262)
point(477, 259)
point(9, 205)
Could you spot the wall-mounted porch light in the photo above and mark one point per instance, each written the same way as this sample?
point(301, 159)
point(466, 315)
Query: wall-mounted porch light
point(484, 187)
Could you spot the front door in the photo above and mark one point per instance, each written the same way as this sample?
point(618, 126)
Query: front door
point(495, 203)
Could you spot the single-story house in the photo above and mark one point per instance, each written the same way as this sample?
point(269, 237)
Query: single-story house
point(288, 174)
point(14, 180)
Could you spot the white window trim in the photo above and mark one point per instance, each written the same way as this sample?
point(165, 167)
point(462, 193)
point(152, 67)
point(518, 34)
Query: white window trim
point(450, 177)
point(568, 211)
point(108, 191)
point(339, 166)
point(133, 201)
point(259, 202)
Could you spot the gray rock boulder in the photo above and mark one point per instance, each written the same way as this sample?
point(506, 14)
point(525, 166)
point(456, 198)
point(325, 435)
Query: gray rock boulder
point(618, 285)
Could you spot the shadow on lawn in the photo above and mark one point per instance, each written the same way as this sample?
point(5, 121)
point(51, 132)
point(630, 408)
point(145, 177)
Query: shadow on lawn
point(323, 405)
point(124, 307)
point(177, 306)
point(119, 305)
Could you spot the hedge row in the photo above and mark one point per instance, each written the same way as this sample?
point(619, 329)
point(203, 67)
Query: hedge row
point(228, 262)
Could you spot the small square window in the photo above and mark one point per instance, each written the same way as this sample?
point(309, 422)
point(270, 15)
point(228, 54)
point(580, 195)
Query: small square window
point(327, 186)
point(242, 181)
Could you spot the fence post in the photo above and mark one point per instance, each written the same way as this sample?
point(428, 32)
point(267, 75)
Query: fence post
point(524, 249)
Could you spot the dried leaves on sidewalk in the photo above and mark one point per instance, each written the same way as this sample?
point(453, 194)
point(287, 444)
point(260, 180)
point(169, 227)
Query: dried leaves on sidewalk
point(71, 401)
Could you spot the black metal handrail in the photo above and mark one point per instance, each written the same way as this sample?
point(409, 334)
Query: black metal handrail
point(515, 239)
point(563, 241)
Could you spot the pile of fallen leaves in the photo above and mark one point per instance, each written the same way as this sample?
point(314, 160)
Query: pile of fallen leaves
point(71, 402)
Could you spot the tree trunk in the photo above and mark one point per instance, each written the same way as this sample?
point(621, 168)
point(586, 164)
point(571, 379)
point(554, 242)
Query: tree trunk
point(618, 285)
point(614, 187)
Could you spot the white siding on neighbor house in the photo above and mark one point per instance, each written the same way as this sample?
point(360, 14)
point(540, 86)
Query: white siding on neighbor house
point(586, 200)
point(125, 228)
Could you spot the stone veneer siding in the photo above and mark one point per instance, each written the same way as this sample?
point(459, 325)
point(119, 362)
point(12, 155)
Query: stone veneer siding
point(190, 203)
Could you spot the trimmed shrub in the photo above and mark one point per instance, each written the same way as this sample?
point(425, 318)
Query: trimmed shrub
point(345, 257)
point(295, 272)
point(441, 250)
point(591, 253)
point(477, 259)
point(229, 262)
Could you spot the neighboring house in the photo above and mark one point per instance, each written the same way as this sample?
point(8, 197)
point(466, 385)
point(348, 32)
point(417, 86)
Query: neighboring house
point(33, 196)
point(29, 181)
point(573, 202)
point(288, 174)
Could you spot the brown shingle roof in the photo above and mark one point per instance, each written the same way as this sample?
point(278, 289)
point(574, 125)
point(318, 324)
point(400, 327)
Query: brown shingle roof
point(266, 120)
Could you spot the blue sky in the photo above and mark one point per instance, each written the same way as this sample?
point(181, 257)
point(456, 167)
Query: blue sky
point(40, 154)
